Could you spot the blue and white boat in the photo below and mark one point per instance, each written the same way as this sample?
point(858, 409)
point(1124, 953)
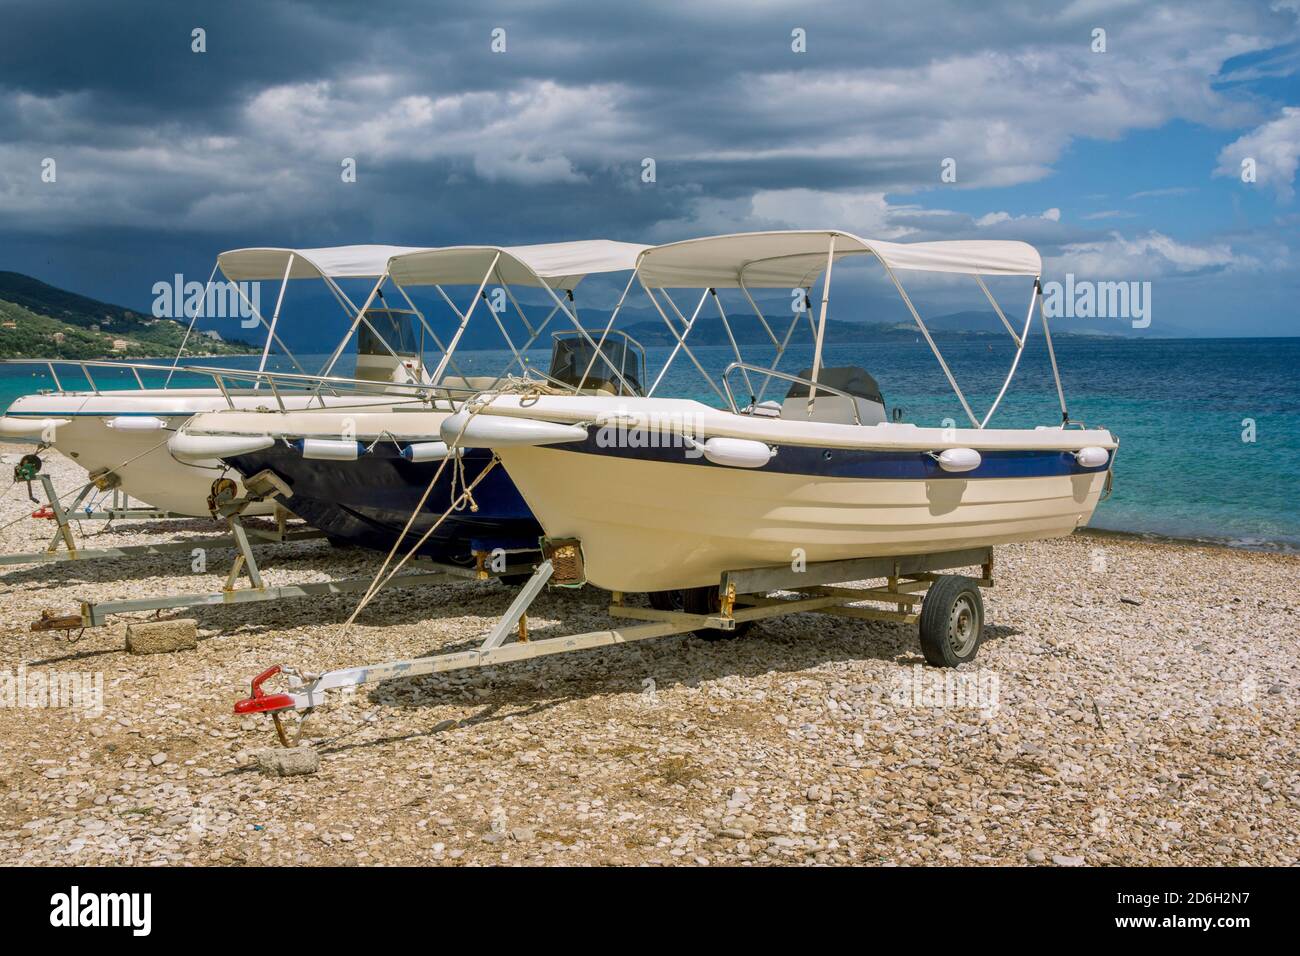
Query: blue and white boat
point(665, 495)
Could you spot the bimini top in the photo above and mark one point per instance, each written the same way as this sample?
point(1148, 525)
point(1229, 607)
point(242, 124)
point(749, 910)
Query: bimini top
point(337, 262)
point(560, 265)
point(796, 258)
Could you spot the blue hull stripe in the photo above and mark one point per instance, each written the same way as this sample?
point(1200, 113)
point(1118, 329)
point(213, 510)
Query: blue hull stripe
point(855, 463)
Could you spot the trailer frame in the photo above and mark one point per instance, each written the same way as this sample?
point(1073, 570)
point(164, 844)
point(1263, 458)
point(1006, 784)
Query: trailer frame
point(746, 595)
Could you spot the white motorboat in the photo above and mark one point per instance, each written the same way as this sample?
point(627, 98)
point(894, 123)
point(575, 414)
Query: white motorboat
point(119, 436)
point(664, 495)
point(363, 475)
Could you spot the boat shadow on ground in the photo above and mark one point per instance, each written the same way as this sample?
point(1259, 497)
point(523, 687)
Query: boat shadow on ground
point(216, 560)
point(480, 601)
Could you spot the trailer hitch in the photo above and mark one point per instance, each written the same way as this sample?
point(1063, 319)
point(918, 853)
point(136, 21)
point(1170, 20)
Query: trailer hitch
point(274, 704)
point(66, 623)
point(261, 702)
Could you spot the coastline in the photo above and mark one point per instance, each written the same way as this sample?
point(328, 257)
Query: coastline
point(1265, 547)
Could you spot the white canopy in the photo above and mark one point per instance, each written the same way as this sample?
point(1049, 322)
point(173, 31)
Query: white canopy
point(560, 265)
point(796, 258)
point(337, 262)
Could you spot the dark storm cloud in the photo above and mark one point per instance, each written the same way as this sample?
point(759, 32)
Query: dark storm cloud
point(165, 156)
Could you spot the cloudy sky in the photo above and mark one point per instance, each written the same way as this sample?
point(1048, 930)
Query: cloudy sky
point(1121, 165)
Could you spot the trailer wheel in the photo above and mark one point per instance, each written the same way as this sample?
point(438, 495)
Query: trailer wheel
point(952, 621)
point(667, 600)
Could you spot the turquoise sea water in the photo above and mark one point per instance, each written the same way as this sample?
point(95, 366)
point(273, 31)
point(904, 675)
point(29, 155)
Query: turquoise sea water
point(1179, 407)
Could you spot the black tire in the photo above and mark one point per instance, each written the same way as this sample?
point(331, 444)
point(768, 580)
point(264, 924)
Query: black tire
point(952, 621)
point(343, 544)
point(696, 601)
point(514, 580)
point(705, 601)
point(667, 600)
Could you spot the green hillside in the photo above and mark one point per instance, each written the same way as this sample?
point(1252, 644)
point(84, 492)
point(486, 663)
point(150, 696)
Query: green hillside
point(39, 321)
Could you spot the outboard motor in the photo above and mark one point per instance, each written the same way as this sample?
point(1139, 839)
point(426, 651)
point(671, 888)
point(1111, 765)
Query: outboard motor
point(837, 409)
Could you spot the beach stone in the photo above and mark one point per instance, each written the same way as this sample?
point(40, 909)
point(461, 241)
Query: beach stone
point(162, 637)
point(1191, 761)
point(288, 761)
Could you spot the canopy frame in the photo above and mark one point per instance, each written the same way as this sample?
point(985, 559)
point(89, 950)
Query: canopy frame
point(530, 275)
point(974, 258)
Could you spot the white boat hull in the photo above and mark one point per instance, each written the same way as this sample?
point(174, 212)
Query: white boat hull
point(140, 458)
point(660, 525)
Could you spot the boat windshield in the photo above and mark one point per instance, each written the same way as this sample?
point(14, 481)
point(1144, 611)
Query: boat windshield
point(397, 327)
point(574, 361)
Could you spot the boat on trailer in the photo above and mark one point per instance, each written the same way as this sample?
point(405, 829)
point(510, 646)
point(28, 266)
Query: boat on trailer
point(731, 516)
point(379, 478)
point(665, 495)
point(119, 436)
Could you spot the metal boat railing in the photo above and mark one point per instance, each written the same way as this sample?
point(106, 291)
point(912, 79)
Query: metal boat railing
point(299, 383)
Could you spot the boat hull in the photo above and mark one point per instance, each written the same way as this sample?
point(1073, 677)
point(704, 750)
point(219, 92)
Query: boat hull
point(141, 459)
point(655, 519)
point(368, 501)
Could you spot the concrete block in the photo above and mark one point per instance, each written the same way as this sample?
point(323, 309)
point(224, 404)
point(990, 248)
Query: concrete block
point(162, 637)
point(288, 761)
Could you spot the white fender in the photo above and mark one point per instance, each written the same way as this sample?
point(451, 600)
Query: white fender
point(136, 423)
point(737, 452)
point(208, 449)
point(1092, 456)
point(28, 427)
point(428, 451)
point(495, 431)
point(958, 459)
point(329, 449)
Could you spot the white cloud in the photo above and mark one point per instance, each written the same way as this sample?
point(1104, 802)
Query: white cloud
point(997, 218)
point(1145, 257)
point(1275, 148)
point(1167, 191)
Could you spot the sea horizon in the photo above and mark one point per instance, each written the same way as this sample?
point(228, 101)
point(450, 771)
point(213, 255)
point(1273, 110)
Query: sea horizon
point(1203, 457)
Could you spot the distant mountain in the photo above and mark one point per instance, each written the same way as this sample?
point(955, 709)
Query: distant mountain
point(38, 320)
point(749, 331)
point(645, 325)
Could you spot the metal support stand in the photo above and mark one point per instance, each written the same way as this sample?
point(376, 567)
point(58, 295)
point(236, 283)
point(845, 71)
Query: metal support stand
point(96, 613)
point(63, 534)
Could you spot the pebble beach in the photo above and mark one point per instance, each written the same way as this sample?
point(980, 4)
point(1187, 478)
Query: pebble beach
point(1134, 702)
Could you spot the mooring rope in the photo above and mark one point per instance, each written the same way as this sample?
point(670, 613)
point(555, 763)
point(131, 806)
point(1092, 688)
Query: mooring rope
point(529, 390)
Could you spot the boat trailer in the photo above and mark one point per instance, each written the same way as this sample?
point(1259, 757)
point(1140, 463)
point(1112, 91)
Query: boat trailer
point(947, 607)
